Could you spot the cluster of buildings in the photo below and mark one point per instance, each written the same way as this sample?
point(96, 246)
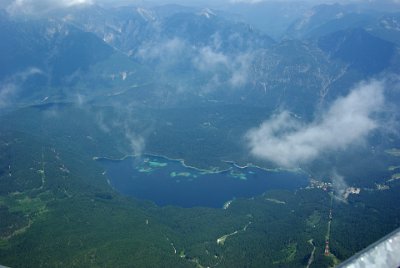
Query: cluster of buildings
point(319, 185)
point(327, 186)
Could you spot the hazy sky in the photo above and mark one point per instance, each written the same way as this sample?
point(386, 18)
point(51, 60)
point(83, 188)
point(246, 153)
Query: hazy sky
point(48, 4)
point(219, 2)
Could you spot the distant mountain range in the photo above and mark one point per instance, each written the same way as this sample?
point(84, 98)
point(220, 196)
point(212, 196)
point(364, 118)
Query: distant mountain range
point(329, 48)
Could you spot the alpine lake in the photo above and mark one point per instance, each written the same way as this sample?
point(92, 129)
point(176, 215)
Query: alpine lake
point(170, 182)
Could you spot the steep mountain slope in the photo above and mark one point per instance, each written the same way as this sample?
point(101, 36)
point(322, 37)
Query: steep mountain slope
point(386, 27)
point(127, 28)
point(362, 51)
point(328, 18)
point(323, 20)
point(51, 60)
point(56, 48)
point(262, 15)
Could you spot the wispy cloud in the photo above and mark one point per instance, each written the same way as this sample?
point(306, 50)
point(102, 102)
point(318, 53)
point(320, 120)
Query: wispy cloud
point(339, 184)
point(288, 142)
point(7, 92)
point(235, 67)
point(220, 68)
point(165, 50)
point(10, 87)
point(136, 141)
point(101, 122)
point(121, 120)
point(208, 59)
point(240, 69)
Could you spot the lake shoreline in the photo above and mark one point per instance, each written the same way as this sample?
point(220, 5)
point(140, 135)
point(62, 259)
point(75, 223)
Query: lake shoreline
point(167, 181)
point(207, 171)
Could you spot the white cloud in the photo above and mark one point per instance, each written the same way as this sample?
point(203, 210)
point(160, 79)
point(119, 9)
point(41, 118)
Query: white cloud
point(102, 124)
point(339, 184)
point(79, 99)
point(222, 68)
point(136, 141)
point(240, 69)
point(33, 7)
point(287, 142)
point(121, 119)
point(7, 92)
point(209, 59)
point(236, 67)
point(9, 89)
point(27, 73)
point(166, 50)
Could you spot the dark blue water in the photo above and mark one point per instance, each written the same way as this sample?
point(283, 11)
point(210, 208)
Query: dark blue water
point(169, 182)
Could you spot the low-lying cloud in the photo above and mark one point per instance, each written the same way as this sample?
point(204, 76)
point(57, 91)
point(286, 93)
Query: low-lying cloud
point(166, 50)
point(236, 67)
point(123, 121)
point(10, 87)
point(287, 142)
point(7, 92)
point(136, 142)
point(339, 184)
point(209, 60)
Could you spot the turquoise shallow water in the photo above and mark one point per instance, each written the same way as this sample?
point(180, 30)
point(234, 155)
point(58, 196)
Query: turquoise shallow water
point(169, 182)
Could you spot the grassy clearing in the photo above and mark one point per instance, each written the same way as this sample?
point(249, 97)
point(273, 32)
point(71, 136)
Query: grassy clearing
point(314, 219)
